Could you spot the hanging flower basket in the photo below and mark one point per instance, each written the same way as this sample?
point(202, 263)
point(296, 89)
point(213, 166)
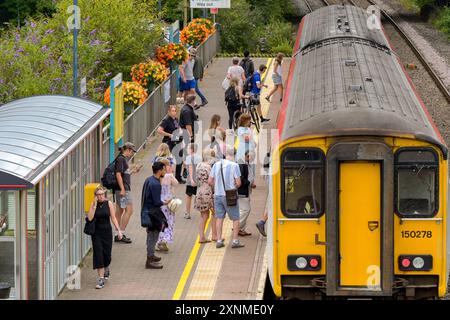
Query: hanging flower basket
point(171, 55)
point(149, 74)
point(133, 95)
point(197, 31)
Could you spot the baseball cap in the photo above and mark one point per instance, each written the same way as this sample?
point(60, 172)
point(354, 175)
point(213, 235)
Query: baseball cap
point(192, 51)
point(128, 145)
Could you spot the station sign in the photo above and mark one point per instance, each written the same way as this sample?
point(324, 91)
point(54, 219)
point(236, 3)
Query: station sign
point(210, 4)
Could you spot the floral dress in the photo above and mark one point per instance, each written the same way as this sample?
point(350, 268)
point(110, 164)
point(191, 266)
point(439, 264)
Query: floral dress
point(204, 199)
point(167, 193)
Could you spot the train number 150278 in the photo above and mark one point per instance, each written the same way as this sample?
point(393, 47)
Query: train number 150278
point(416, 234)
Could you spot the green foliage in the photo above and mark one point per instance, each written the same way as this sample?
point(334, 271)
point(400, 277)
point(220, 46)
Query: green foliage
point(172, 10)
point(15, 11)
point(443, 21)
point(422, 3)
point(240, 32)
point(37, 59)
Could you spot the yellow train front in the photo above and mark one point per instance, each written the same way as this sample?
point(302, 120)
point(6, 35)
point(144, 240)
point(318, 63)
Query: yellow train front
point(359, 178)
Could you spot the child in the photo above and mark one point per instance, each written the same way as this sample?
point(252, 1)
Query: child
point(167, 184)
point(191, 185)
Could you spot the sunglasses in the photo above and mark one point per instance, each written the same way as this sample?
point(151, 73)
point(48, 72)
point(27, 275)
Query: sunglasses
point(100, 194)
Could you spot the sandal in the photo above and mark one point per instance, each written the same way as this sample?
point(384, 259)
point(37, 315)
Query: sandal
point(204, 241)
point(244, 233)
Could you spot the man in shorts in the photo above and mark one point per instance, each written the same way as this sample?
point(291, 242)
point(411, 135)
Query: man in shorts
point(229, 170)
point(187, 85)
point(124, 202)
point(256, 90)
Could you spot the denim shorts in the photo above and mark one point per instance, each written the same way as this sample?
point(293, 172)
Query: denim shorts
point(123, 202)
point(220, 207)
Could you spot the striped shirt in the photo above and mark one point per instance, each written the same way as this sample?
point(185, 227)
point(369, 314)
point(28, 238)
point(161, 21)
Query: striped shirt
point(231, 171)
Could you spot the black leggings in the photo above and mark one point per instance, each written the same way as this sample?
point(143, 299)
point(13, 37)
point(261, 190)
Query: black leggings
point(231, 111)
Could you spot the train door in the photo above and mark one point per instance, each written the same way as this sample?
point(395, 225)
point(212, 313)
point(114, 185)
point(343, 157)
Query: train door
point(359, 224)
point(359, 211)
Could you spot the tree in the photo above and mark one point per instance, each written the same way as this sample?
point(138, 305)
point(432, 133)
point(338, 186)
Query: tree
point(17, 11)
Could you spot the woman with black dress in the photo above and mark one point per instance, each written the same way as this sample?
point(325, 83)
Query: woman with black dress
point(103, 211)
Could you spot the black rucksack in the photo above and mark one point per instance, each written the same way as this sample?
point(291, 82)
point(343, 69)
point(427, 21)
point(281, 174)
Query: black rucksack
point(230, 95)
point(248, 84)
point(247, 65)
point(109, 180)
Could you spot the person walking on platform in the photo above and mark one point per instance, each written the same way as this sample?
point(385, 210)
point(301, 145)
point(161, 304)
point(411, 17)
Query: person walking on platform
point(204, 201)
point(192, 160)
point(198, 76)
point(226, 176)
point(277, 77)
point(247, 64)
point(215, 133)
point(101, 213)
point(244, 191)
point(124, 201)
point(257, 86)
point(187, 85)
point(233, 98)
point(163, 152)
point(236, 71)
point(151, 204)
point(167, 184)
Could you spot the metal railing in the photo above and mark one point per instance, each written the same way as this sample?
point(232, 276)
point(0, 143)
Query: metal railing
point(145, 119)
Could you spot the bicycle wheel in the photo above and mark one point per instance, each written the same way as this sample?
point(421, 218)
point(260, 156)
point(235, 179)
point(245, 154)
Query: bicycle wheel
point(255, 118)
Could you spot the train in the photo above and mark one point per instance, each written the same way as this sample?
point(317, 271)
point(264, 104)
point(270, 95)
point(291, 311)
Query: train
point(358, 179)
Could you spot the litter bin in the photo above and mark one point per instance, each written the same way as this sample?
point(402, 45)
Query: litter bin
point(5, 289)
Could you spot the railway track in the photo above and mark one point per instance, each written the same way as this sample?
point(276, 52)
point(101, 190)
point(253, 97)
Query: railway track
point(411, 45)
point(313, 5)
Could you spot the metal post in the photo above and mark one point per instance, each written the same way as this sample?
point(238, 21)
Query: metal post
point(112, 146)
point(185, 15)
point(159, 5)
point(192, 13)
point(75, 51)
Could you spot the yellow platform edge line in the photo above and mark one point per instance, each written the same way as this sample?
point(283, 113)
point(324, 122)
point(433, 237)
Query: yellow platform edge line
point(188, 268)
point(189, 265)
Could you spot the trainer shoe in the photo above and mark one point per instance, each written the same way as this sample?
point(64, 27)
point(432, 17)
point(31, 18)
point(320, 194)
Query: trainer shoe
point(107, 274)
point(100, 283)
point(220, 244)
point(187, 215)
point(237, 244)
point(260, 226)
point(264, 119)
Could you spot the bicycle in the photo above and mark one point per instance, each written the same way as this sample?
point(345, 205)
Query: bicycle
point(248, 107)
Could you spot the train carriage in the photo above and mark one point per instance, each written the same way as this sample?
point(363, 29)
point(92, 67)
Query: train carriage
point(359, 178)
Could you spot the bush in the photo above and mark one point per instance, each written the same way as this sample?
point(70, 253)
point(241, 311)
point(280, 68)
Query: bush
point(443, 21)
point(37, 59)
point(279, 35)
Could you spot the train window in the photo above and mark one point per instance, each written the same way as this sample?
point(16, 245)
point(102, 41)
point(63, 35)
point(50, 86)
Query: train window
point(416, 182)
point(302, 183)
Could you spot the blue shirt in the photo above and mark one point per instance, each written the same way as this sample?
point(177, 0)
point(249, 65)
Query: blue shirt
point(231, 171)
point(255, 80)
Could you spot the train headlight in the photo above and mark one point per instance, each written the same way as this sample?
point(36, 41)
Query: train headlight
point(301, 263)
point(313, 262)
point(410, 262)
point(418, 262)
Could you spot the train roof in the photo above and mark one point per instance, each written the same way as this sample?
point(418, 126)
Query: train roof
point(351, 86)
point(339, 21)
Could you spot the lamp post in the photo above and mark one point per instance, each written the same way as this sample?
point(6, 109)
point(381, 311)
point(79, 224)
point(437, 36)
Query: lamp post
point(75, 51)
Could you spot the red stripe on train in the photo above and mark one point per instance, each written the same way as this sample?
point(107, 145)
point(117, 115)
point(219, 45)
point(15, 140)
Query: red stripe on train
point(284, 105)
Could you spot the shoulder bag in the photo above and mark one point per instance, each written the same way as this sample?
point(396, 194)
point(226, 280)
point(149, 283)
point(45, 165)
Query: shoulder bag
point(89, 227)
point(231, 195)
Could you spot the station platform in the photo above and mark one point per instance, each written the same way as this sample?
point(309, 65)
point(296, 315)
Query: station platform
point(191, 270)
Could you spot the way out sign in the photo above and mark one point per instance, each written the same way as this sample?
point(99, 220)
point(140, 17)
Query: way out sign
point(210, 3)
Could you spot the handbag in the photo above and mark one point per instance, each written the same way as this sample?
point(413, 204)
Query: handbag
point(89, 227)
point(146, 222)
point(231, 195)
point(158, 219)
point(225, 83)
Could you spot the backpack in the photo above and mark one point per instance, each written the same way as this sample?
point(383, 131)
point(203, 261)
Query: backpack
point(248, 84)
point(246, 64)
point(230, 95)
point(109, 180)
